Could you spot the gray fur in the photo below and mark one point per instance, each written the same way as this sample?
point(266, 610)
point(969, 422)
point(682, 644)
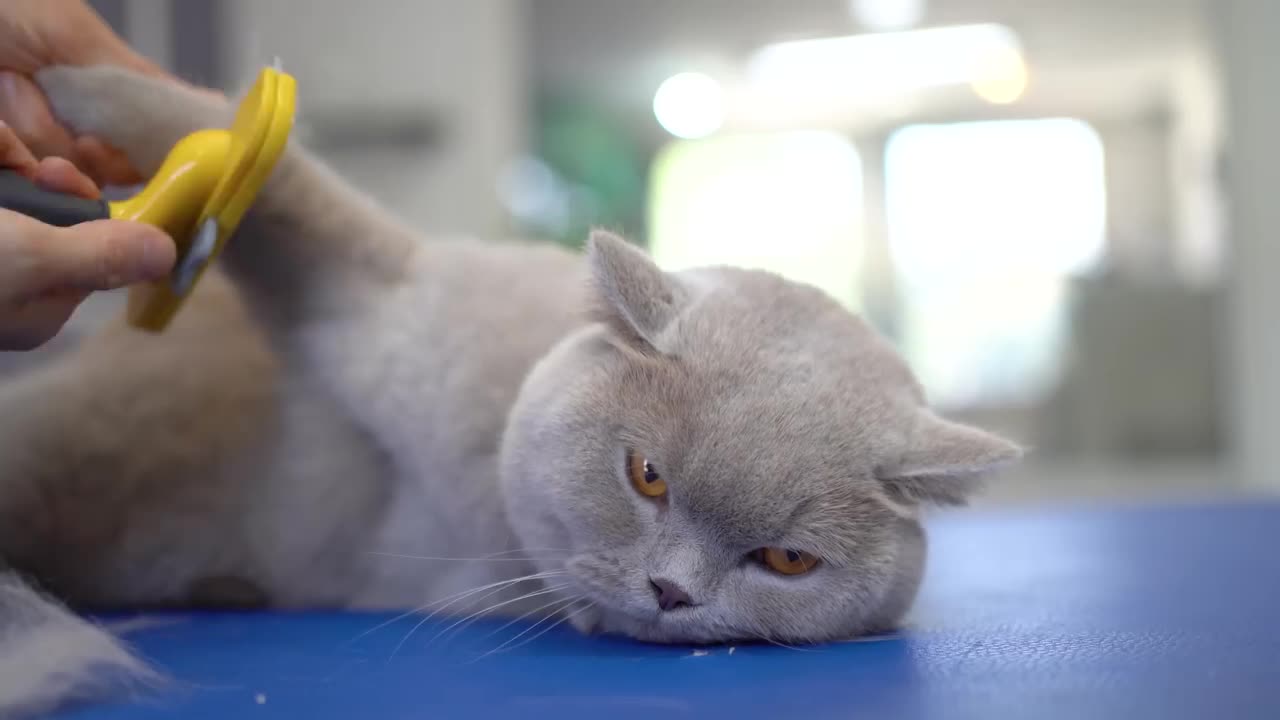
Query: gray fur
point(452, 398)
point(776, 418)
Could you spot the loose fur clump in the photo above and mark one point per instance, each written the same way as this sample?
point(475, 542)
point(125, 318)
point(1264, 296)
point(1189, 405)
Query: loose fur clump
point(49, 657)
point(349, 415)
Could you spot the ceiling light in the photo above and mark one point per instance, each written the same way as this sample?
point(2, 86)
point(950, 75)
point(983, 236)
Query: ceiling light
point(878, 65)
point(1001, 78)
point(881, 15)
point(689, 105)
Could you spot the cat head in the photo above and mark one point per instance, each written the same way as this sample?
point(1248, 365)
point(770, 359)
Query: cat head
point(727, 455)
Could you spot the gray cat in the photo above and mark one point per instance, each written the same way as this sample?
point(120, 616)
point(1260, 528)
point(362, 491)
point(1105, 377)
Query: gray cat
point(355, 416)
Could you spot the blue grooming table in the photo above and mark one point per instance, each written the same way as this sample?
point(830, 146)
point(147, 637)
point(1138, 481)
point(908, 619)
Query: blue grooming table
point(1131, 613)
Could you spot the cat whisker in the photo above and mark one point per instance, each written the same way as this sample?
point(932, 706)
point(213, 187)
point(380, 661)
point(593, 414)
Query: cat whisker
point(496, 556)
point(563, 602)
point(478, 613)
point(472, 600)
point(449, 559)
point(524, 632)
point(393, 620)
point(450, 599)
point(545, 630)
point(522, 549)
point(496, 588)
point(781, 644)
point(499, 555)
point(489, 594)
point(500, 584)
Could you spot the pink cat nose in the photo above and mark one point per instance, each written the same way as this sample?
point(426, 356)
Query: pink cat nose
point(669, 595)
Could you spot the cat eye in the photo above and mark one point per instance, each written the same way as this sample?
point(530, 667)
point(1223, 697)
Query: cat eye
point(786, 562)
point(644, 478)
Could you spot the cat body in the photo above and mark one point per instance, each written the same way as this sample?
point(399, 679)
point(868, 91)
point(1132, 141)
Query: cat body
point(301, 459)
point(711, 455)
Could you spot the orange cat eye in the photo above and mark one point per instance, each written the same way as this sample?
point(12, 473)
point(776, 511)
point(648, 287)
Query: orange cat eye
point(644, 478)
point(786, 562)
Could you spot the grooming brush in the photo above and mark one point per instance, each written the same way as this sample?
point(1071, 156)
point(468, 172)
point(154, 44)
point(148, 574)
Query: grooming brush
point(198, 196)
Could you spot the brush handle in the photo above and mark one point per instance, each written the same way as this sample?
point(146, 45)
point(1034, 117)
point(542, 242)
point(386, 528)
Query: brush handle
point(19, 194)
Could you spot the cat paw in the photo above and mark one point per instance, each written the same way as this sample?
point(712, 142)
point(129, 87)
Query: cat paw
point(140, 115)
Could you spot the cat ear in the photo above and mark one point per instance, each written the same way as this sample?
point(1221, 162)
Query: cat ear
point(634, 296)
point(943, 462)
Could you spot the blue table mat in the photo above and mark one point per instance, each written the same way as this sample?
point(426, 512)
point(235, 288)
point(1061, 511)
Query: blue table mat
point(1122, 612)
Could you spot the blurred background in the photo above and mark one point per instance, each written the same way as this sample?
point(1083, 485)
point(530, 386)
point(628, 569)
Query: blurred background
point(1060, 210)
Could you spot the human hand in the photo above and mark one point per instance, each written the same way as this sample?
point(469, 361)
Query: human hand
point(47, 271)
point(37, 33)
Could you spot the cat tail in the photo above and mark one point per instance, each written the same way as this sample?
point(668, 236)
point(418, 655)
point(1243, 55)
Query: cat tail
point(51, 659)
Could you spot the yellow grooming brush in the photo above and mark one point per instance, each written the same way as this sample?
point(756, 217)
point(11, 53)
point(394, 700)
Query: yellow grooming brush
point(198, 196)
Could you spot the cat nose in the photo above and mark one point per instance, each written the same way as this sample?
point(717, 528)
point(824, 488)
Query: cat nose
point(669, 595)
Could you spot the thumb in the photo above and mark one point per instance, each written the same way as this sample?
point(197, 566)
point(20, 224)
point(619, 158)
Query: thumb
point(105, 255)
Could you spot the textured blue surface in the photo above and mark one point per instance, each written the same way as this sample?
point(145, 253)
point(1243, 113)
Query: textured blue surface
point(1098, 613)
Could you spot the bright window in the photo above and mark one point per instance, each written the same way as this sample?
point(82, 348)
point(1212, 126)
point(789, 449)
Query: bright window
point(988, 222)
point(786, 202)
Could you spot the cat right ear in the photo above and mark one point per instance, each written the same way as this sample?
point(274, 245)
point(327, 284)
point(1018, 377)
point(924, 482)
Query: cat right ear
point(943, 462)
point(634, 296)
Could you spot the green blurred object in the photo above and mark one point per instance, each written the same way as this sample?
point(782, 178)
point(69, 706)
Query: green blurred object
point(598, 167)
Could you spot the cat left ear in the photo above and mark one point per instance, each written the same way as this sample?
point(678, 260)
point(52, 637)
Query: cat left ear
point(943, 462)
point(635, 297)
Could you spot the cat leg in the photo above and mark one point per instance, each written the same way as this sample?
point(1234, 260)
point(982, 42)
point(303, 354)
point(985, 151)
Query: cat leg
point(423, 344)
point(316, 260)
point(309, 244)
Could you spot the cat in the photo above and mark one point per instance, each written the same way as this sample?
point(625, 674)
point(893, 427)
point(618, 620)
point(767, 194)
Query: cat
point(710, 455)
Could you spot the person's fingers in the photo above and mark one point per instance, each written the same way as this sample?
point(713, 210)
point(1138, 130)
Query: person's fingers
point(104, 164)
point(24, 108)
point(110, 254)
point(13, 154)
point(97, 255)
point(38, 33)
point(60, 175)
point(20, 25)
point(87, 39)
point(35, 323)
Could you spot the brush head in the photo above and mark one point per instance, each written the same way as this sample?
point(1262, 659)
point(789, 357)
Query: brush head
point(207, 204)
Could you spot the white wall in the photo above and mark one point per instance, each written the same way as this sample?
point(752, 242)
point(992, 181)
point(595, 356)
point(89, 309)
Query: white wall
point(463, 61)
point(1139, 201)
point(1194, 153)
point(1248, 41)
